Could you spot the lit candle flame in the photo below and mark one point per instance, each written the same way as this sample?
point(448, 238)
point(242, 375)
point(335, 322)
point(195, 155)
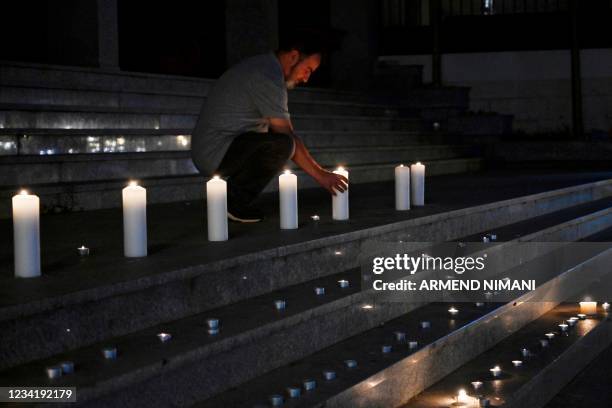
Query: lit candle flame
point(215, 177)
point(133, 183)
point(23, 192)
point(340, 168)
point(287, 171)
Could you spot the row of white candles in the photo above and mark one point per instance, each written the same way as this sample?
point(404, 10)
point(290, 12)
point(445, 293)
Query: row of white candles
point(409, 182)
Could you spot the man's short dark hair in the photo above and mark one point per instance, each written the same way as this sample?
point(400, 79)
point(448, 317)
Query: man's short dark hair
point(309, 41)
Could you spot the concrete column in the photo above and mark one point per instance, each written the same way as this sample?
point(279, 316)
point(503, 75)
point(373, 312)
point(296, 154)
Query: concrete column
point(352, 66)
point(251, 28)
point(108, 34)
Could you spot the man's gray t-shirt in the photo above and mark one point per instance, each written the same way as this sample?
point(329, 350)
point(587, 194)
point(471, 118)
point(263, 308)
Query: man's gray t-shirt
point(241, 101)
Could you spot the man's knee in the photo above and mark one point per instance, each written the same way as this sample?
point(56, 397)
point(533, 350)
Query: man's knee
point(284, 144)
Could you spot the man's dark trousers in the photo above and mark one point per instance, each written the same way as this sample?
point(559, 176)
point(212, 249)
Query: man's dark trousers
point(251, 161)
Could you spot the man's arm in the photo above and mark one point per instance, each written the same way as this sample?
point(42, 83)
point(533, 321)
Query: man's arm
point(330, 181)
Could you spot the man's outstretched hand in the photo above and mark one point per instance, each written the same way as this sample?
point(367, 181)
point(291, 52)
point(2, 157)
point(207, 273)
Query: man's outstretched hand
point(332, 182)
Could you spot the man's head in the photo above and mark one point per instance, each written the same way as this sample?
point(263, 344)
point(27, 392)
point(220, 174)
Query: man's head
point(300, 55)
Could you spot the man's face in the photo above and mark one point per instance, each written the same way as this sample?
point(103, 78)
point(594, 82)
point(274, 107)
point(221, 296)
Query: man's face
point(302, 69)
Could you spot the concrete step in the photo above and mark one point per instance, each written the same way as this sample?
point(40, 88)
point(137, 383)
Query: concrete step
point(194, 276)
point(20, 119)
point(391, 380)
point(540, 377)
point(307, 313)
point(53, 99)
point(92, 195)
point(45, 169)
point(76, 141)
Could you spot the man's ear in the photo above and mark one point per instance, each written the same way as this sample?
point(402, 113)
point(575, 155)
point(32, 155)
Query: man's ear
point(294, 57)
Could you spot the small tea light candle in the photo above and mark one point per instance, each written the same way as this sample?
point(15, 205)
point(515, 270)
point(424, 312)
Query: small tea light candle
point(319, 291)
point(280, 304)
point(276, 400)
point(436, 126)
point(517, 363)
point(329, 375)
point(350, 363)
point(367, 307)
point(572, 321)
point(563, 327)
point(425, 325)
point(588, 308)
point(164, 337)
point(496, 371)
point(400, 336)
point(83, 250)
point(343, 283)
point(67, 367)
point(340, 201)
point(582, 316)
point(134, 220)
point(525, 352)
point(544, 343)
point(309, 384)
point(605, 306)
point(386, 349)
point(287, 191)
point(550, 336)
point(402, 188)
point(462, 397)
point(26, 234)
point(54, 372)
point(476, 385)
point(453, 311)
point(294, 392)
point(479, 304)
point(110, 353)
point(413, 344)
point(485, 239)
point(315, 217)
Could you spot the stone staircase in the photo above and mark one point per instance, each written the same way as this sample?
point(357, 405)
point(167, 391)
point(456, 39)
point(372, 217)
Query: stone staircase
point(74, 135)
point(81, 305)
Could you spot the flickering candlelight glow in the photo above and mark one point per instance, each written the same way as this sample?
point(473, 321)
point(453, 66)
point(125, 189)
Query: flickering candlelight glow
point(496, 371)
point(453, 311)
point(517, 363)
point(550, 336)
point(476, 385)
point(463, 397)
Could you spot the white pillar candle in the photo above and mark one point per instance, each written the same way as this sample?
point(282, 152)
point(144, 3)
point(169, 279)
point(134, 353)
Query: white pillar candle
point(216, 207)
point(287, 192)
point(588, 308)
point(417, 184)
point(402, 188)
point(340, 202)
point(26, 234)
point(134, 221)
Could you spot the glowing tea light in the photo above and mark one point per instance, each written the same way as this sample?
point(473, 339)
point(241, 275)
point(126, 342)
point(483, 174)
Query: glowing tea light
point(26, 234)
point(400, 336)
point(496, 371)
point(164, 337)
point(476, 385)
point(309, 384)
point(462, 397)
point(588, 308)
point(287, 193)
point(276, 400)
point(413, 344)
point(315, 217)
point(280, 304)
point(550, 336)
point(343, 283)
point(417, 184)
point(367, 307)
point(425, 325)
point(572, 321)
point(386, 349)
point(67, 367)
point(350, 363)
point(563, 327)
point(319, 291)
point(340, 201)
point(329, 375)
point(213, 326)
point(110, 353)
point(582, 316)
point(134, 220)
point(544, 343)
point(294, 392)
point(216, 209)
point(54, 372)
point(453, 311)
point(517, 363)
point(525, 352)
point(83, 250)
point(605, 306)
point(402, 188)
